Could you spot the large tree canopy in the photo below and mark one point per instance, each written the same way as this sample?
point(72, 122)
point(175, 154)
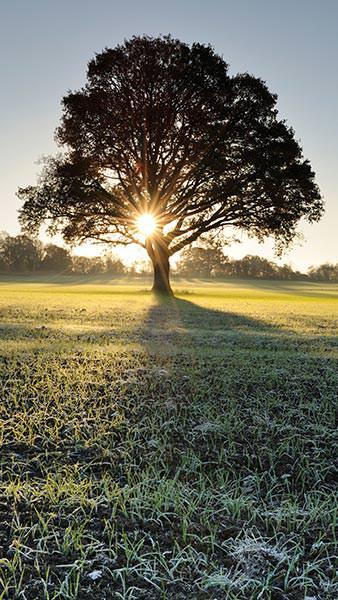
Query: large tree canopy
point(162, 129)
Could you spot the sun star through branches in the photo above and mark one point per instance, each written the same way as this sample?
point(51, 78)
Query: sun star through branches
point(146, 224)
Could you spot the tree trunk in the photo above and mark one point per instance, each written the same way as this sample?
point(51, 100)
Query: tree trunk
point(160, 259)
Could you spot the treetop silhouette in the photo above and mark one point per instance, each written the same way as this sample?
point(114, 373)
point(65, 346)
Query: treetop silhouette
point(162, 130)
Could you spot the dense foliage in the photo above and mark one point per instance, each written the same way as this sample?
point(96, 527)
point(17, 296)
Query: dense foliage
point(162, 128)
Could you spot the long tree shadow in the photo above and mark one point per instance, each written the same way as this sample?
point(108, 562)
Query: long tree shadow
point(164, 312)
point(176, 324)
point(219, 370)
point(184, 323)
point(212, 358)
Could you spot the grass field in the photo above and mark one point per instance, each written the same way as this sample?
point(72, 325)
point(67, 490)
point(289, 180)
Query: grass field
point(169, 451)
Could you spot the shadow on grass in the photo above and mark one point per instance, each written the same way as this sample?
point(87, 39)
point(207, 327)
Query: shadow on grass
point(168, 312)
point(169, 325)
point(185, 323)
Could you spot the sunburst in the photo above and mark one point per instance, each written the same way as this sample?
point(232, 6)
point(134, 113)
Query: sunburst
point(146, 224)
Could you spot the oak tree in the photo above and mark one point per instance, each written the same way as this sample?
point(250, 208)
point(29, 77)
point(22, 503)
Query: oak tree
point(163, 139)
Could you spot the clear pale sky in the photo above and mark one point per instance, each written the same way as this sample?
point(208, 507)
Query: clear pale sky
point(291, 44)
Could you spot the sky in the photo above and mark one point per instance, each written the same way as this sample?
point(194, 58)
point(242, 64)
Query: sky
point(291, 44)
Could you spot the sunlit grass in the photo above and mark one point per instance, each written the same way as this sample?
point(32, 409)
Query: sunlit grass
point(182, 450)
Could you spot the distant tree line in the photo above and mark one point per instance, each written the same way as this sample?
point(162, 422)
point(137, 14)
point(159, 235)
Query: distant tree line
point(22, 254)
point(210, 261)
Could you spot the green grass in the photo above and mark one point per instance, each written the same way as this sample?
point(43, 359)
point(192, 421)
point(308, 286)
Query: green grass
point(169, 451)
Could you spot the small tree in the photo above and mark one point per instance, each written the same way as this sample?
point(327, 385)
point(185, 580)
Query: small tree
point(88, 265)
point(254, 267)
point(56, 259)
point(203, 261)
point(163, 140)
point(20, 254)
